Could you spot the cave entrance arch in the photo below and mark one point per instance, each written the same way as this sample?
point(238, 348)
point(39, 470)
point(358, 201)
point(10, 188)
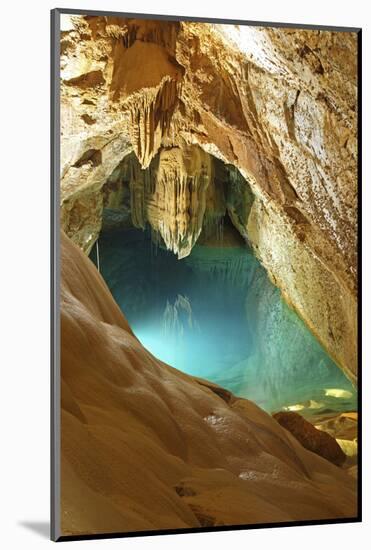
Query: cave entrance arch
point(175, 254)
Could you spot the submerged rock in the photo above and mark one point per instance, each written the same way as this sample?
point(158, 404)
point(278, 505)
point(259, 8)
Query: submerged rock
point(317, 441)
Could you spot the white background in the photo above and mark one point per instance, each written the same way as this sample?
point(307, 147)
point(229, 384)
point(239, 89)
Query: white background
point(24, 268)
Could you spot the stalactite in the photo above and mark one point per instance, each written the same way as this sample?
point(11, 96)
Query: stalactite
point(136, 198)
point(177, 207)
point(150, 116)
point(142, 186)
point(182, 192)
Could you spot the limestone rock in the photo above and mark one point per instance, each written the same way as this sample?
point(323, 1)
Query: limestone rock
point(344, 428)
point(341, 426)
point(178, 194)
point(178, 205)
point(317, 441)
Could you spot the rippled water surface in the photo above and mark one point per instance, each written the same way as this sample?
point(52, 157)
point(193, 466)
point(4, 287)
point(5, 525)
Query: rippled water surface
point(216, 315)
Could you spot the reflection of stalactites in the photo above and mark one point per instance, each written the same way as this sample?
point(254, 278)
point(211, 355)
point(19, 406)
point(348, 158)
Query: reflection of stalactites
point(182, 302)
point(170, 322)
point(151, 111)
point(173, 318)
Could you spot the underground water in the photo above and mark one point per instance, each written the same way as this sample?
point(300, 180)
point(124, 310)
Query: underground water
point(215, 314)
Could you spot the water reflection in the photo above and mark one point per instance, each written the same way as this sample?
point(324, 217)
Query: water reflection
point(215, 314)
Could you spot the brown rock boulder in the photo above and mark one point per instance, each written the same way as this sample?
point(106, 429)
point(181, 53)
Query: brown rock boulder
point(311, 438)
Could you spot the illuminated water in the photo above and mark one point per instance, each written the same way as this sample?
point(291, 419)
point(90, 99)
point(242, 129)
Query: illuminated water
point(216, 315)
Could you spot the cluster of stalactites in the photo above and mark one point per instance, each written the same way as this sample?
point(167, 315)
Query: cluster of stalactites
point(150, 116)
point(181, 183)
point(183, 192)
point(171, 195)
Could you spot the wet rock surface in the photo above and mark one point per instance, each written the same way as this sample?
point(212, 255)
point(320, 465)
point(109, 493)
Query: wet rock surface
point(317, 441)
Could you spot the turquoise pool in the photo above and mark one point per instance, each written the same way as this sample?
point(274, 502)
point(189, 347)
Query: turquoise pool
point(216, 315)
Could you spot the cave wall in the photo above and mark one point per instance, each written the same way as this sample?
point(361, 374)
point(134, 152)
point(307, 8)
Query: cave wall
point(277, 104)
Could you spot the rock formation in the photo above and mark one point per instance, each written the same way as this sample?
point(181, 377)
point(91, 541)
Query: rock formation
point(343, 427)
point(278, 105)
point(146, 447)
point(177, 205)
point(317, 441)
